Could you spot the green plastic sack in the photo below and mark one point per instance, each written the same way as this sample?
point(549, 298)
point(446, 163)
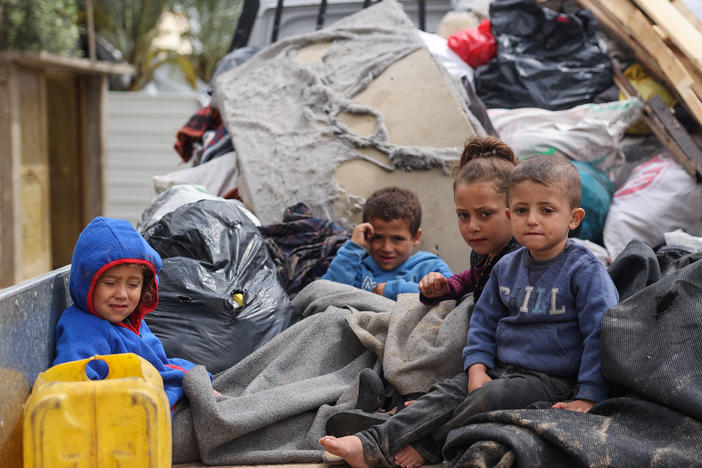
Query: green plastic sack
point(597, 196)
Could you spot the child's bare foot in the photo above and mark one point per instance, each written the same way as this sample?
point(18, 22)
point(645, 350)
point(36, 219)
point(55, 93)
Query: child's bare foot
point(408, 457)
point(349, 448)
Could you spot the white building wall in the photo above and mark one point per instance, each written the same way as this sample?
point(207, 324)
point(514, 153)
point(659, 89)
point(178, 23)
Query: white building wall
point(141, 132)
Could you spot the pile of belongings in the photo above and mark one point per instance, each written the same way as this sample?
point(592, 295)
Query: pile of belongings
point(614, 87)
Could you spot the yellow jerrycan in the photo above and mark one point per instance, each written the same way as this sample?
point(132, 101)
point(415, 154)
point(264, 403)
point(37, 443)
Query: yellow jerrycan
point(121, 421)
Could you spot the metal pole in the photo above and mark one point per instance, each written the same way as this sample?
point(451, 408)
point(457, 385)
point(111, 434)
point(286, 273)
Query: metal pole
point(276, 21)
point(320, 14)
point(422, 15)
point(245, 24)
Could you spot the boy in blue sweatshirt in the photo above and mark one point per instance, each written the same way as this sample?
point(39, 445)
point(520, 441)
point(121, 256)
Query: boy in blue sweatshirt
point(378, 257)
point(534, 334)
point(113, 285)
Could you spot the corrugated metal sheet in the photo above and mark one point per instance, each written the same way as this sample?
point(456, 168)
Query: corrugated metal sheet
point(141, 131)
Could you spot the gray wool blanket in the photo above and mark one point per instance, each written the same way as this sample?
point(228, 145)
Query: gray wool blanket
point(274, 404)
point(417, 345)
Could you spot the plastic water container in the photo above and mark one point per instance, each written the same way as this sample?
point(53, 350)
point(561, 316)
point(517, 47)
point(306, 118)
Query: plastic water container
point(121, 421)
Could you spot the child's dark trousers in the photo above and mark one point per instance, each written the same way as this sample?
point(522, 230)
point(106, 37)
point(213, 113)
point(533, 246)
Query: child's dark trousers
point(447, 406)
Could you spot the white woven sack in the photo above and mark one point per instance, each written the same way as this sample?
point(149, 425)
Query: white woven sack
point(658, 197)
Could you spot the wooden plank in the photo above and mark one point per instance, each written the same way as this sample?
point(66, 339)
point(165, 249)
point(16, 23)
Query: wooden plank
point(632, 20)
point(65, 155)
point(691, 69)
point(693, 155)
point(682, 33)
point(34, 173)
point(90, 19)
point(10, 162)
point(335, 462)
point(15, 390)
point(95, 145)
point(46, 60)
point(667, 128)
point(646, 57)
point(687, 13)
point(611, 26)
point(684, 59)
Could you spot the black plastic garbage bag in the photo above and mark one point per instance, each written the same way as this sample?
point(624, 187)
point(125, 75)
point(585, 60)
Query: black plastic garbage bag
point(544, 59)
point(211, 252)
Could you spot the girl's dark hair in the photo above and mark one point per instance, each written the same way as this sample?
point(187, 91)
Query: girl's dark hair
point(485, 158)
point(149, 294)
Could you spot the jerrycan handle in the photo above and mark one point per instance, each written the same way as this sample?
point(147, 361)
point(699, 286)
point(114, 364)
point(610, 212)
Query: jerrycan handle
point(119, 365)
point(97, 364)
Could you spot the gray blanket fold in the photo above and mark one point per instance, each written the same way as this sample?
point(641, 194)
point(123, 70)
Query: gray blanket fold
point(274, 404)
point(417, 345)
point(270, 403)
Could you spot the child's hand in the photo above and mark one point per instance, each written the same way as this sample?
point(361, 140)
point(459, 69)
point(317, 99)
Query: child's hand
point(361, 233)
point(581, 406)
point(477, 377)
point(379, 288)
point(434, 285)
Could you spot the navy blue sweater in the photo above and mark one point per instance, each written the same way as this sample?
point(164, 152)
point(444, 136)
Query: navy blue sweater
point(545, 316)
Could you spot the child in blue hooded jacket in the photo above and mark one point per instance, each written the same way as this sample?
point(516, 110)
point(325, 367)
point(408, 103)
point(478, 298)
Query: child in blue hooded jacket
point(114, 284)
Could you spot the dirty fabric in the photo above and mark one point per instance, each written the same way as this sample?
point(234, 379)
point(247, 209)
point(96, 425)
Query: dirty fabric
point(624, 431)
point(204, 119)
point(651, 353)
point(275, 403)
point(220, 143)
point(418, 345)
point(283, 115)
point(302, 246)
point(634, 269)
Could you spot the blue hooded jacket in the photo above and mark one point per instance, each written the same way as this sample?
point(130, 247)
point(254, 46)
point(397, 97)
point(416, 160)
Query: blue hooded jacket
point(81, 333)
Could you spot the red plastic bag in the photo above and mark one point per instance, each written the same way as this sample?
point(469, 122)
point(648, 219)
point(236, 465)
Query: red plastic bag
point(474, 46)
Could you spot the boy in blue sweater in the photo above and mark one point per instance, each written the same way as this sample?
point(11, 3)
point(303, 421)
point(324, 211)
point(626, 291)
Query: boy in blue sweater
point(113, 285)
point(534, 334)
point(378, 257)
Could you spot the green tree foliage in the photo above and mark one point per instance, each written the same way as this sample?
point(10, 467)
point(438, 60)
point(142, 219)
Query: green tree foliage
point(35, 25)
point(131, 27)
point(212, 26)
